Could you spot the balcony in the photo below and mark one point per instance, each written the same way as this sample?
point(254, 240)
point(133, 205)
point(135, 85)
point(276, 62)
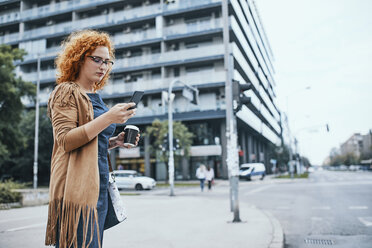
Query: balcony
point(185, 28)
point(119, 87)
point(102, 20)
point(184, 4)
point(172, 56)
point(10, 17)
point(8, 38)
point(123, 39)
point(49, 75)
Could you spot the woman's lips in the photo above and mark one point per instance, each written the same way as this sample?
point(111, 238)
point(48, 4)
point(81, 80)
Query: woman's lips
point(100, 74)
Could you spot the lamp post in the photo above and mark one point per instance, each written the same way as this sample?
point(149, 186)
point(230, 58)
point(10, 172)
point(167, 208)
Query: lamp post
point(194, 99)
point(36, 145)
point(287, 121)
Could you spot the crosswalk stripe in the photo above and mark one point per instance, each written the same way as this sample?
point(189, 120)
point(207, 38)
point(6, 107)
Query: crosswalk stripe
point(357, 207)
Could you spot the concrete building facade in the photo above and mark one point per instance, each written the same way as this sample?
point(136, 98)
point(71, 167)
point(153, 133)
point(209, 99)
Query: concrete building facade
point(157, 42)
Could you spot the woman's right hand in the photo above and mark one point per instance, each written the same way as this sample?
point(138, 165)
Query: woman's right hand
point(120, 113)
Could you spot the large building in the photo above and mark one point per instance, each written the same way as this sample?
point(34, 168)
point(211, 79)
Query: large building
point(157, 42)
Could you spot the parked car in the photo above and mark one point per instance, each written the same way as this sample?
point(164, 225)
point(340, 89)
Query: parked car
point(251, 170)
point(131, 179)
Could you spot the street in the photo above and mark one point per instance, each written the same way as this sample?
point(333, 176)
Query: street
point(329, 208)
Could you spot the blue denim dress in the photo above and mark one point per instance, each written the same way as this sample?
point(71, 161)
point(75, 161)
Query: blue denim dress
point(99, 108)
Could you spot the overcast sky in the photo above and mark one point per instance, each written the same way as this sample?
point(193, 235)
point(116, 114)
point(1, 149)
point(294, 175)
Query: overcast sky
point(324, 44)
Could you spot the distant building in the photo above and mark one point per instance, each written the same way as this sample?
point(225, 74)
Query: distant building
point(353, 145)
point(157, 42)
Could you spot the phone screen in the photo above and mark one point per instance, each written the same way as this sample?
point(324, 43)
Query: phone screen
point(136, 98)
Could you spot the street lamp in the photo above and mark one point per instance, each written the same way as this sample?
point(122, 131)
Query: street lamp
point(190, 93)
point(287, 122)
point(36, 146)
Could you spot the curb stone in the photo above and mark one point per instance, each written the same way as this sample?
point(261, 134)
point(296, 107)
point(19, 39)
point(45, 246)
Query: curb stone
point(278, 234)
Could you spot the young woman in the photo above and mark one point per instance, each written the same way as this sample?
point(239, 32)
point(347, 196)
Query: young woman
point(82, 130)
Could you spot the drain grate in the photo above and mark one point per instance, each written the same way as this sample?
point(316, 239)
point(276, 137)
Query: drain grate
point(319, 242)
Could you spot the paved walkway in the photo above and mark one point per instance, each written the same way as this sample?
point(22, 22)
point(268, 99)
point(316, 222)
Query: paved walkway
point(189, 219)
point(192, 219)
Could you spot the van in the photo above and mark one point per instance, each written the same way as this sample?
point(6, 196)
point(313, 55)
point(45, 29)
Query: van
point(251, 170)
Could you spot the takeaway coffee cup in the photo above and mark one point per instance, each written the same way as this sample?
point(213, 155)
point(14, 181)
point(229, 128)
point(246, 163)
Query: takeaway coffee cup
point(130, 136)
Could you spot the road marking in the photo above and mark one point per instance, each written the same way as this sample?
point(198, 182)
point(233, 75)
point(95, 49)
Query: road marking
point(357, 207)
point(316, 218)
point(283, 207)
point(322, 208)
point(367, 221)
point(258, 189)
point(25, 227)
point(16, 219)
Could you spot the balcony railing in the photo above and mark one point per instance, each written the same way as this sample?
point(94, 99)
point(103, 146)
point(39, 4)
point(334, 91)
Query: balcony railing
point(7, 38)
point(188, 4)
point(185, 54)
point(193, 27)
point(44, 75)
point(10, 17)
point(156, 84)
point(111, 18)
point(192, 53)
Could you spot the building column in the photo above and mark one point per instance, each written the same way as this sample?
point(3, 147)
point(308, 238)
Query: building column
point(185, 168)
point(147, 156)
point(244, 146)
point(224, 171)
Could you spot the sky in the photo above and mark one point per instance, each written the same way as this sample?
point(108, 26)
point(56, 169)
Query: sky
point(325, 45)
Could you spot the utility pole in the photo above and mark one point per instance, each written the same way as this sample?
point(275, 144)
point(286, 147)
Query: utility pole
point(194, 99)
point(231, 129)
point(36, 145)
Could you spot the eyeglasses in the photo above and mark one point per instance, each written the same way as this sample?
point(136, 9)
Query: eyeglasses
point(101, 61)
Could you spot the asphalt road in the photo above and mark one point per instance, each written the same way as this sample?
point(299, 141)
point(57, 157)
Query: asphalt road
point(330, 209)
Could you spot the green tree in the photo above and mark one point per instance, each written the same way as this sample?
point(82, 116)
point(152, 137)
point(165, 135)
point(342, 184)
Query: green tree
point(21, 165)
point(11, 90)
point(158, 131)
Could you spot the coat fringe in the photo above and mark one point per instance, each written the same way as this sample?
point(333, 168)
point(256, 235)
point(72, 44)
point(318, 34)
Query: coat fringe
point(65, 217)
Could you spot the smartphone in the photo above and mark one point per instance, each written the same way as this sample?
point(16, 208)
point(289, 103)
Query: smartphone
point(136, 98)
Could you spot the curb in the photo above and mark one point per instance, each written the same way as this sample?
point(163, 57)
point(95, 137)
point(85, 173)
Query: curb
point(278, 234)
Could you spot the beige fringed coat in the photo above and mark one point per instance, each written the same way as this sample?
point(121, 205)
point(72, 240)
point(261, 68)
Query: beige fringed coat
point(74, 177)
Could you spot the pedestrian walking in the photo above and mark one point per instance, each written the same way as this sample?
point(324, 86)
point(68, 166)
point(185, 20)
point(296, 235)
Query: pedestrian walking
point(200, 174)
point(209, 176)
point(82, 129)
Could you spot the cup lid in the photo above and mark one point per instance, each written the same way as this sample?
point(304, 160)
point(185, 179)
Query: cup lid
point(131, 127)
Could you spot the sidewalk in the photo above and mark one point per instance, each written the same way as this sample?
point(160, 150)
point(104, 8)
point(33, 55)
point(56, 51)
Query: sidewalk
point(192, 219)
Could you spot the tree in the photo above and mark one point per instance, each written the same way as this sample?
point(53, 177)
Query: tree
point(158, 131)
point(11, 91)
point(21, 165)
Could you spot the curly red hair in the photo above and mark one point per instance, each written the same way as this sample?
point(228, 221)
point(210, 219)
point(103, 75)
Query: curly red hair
point(75, 48)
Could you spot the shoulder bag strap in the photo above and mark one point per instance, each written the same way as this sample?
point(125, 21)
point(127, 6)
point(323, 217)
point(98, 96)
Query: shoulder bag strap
point(109, 163)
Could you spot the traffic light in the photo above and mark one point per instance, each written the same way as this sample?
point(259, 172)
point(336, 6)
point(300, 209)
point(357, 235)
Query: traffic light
point(239, 98)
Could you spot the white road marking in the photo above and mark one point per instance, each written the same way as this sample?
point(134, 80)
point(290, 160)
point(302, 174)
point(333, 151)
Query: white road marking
point(258, 189)
point(357, 207)
point(25, 227)
point(283, 207)
point(16, 219)
point(367, 221)
point(316, 218)
point(321, 208)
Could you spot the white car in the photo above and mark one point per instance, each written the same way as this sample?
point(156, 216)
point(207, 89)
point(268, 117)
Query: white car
point(250, 170)
point(130, 179)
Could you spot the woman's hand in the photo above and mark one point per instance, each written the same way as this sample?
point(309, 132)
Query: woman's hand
point(118, 141)
point(120, 113)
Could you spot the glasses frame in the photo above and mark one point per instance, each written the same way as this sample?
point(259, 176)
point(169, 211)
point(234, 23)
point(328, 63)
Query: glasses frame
point(101, 61)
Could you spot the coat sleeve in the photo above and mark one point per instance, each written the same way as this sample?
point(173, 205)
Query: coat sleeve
point(65, 118)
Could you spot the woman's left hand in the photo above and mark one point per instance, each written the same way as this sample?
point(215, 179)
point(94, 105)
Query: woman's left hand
point(118, 141)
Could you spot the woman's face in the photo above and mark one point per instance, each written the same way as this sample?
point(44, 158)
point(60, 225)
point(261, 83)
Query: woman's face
point(96, 65)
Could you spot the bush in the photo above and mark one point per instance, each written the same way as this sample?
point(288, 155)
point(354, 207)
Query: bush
point(7, 193)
